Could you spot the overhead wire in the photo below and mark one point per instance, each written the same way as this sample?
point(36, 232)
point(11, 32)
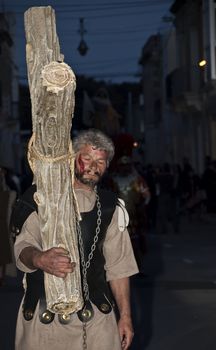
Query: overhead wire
point(113, 5)
point(71, 8)
point(89, 33)
point(107, 10)
point(87, 17)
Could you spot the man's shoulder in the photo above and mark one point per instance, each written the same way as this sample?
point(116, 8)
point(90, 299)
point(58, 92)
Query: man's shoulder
point(108, 196)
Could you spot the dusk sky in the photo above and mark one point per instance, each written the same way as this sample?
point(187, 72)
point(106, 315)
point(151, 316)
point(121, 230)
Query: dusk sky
point(116, 31)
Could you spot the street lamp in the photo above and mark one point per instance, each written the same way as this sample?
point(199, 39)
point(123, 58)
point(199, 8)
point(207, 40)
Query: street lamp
point(207, 119)
point(202, 63)
point(82, 48)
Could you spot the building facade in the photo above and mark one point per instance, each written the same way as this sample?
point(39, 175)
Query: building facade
point(185, 85)
point(151, 62)
point(184, 91)
point(193, 82)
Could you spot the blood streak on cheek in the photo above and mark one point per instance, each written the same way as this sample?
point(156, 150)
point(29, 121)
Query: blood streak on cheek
point(81, 164)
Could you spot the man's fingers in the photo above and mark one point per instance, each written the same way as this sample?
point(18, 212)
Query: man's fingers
point(126, 333)
point(125, 344)
point(63, 268)
point(61, 259)
point(59, 250)
point(60, 274)
point(62, 271)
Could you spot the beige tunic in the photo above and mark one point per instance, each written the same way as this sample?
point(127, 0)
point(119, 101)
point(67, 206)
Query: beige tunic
point(102, 332)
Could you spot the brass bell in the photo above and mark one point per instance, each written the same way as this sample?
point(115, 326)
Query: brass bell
point(28, 314)
point(104, 308)
point(86, 314)
point(64, 318)
point(47, 317)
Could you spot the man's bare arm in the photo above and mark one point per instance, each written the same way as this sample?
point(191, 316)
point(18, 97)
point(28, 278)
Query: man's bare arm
point(121, 292)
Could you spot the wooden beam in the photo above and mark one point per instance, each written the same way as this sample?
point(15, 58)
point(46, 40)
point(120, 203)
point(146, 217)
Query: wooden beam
point(52, 86)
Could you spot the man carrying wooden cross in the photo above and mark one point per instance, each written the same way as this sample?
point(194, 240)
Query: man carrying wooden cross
point(72, 240)
point(104, 221)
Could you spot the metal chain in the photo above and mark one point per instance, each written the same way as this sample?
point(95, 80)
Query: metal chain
point(86, 264)
point(84, 336)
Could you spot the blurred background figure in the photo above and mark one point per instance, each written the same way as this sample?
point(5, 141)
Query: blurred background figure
point(7, 198)
point(133, 189)
point(209, 185)
point(152, 178)
point(167, 212)
point(192, 192)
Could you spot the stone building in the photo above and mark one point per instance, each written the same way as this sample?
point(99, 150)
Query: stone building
point(179, 93)
point(151, 62)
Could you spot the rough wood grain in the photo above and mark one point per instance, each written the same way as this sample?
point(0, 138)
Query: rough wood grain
point(52, 85)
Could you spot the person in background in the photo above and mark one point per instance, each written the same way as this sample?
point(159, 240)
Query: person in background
point(7, 198)
point(209, 185)
point(152, 178)
point(133, 189)
point(166, 214)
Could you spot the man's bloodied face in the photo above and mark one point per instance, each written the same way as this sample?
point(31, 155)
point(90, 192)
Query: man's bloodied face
point(90, 165)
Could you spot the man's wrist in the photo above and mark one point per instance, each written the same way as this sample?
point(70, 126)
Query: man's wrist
point(29, 257)
point(36, 258)
point(125, 315)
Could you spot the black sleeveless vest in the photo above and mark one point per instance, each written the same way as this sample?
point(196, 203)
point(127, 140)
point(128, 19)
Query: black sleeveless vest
point(99, 290)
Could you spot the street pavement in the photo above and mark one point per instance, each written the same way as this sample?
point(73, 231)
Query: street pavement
point(10, 296)
point(173, 301)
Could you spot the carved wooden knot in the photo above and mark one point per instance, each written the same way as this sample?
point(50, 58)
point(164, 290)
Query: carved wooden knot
point(56, 76)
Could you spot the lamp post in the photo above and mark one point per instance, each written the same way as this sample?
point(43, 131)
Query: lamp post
point(207, 122)
point(82, 48)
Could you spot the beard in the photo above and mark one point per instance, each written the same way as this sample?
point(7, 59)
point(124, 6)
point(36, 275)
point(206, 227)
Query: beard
point(87, 181)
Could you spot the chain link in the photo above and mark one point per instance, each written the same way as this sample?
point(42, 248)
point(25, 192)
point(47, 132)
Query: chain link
point(86, 264)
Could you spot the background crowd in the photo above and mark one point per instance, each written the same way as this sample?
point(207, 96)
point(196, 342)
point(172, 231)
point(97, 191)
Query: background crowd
point(156, 197)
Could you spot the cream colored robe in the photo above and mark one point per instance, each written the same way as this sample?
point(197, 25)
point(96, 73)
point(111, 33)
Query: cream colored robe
point(102, 331)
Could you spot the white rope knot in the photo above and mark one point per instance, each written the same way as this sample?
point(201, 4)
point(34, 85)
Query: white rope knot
point(34, 154)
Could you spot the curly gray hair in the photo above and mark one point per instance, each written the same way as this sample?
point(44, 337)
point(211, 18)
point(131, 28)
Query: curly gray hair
point(97, 139)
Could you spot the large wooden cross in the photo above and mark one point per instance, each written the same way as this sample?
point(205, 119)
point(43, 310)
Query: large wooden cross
point(52, 85)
